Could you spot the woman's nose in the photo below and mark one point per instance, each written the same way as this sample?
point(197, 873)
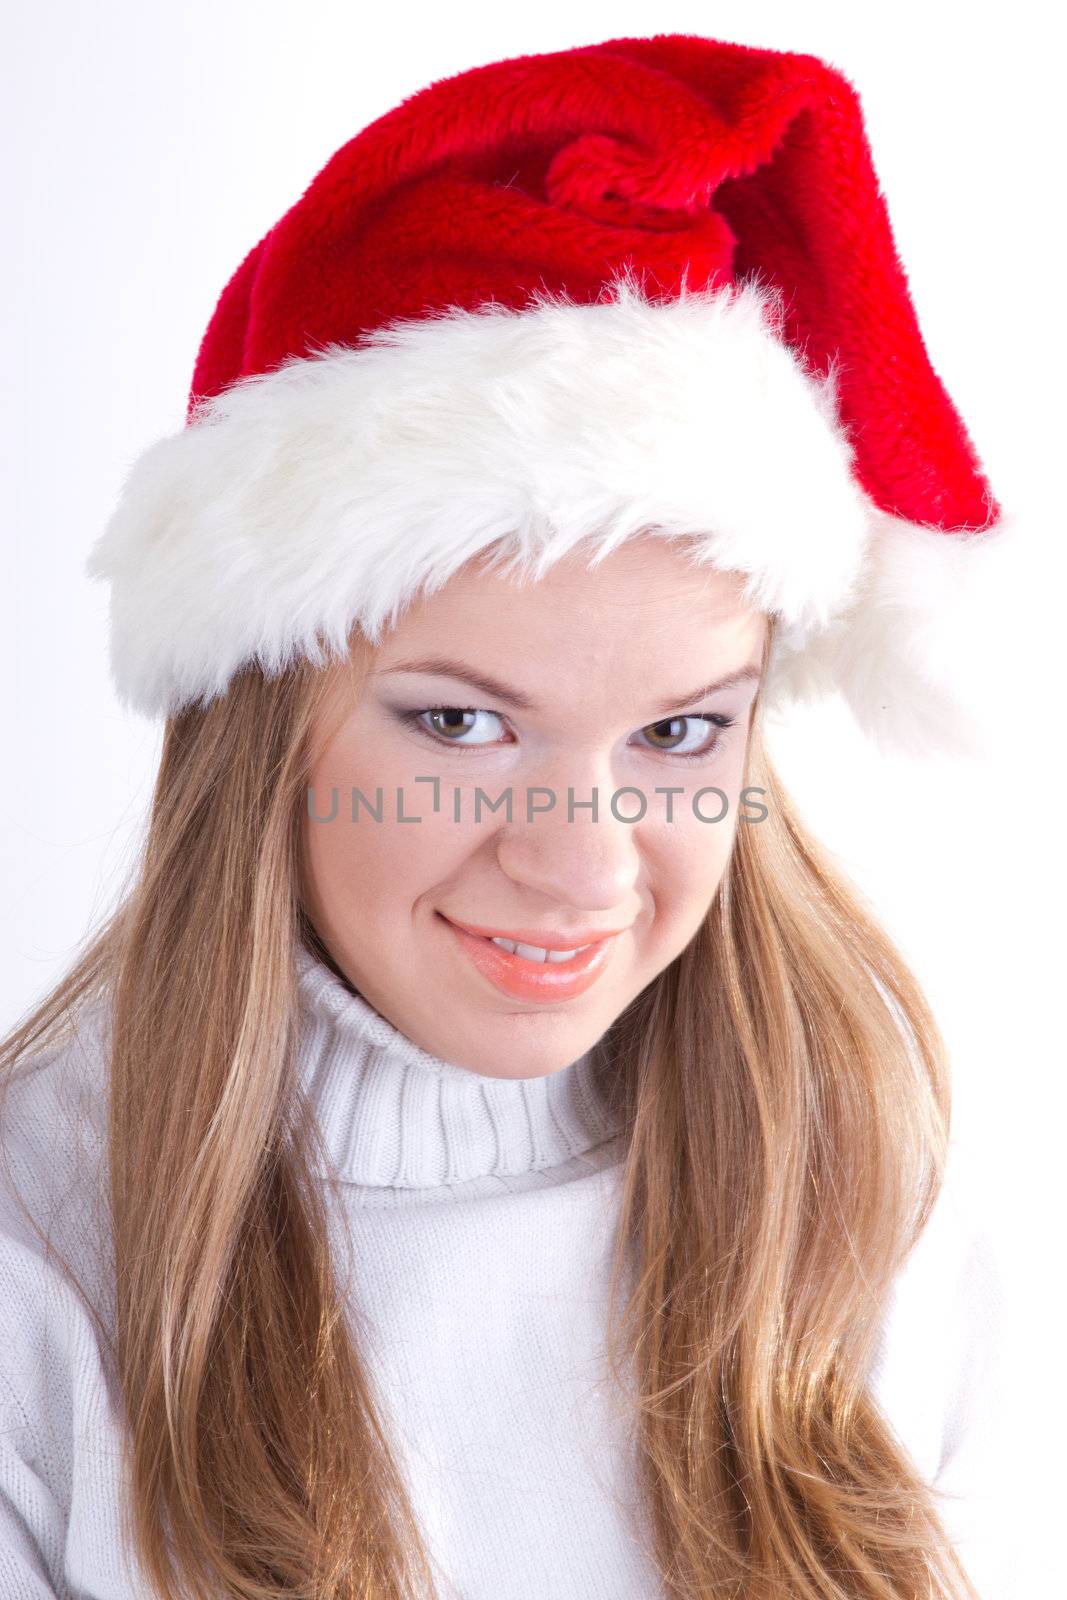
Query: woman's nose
point(563, 853)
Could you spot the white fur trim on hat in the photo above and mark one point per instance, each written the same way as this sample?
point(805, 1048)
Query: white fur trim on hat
point(330, 491)
point(917, 652)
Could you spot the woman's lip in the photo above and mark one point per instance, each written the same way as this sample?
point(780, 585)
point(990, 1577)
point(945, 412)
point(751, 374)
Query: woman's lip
point(533, 980)
point(557, 941)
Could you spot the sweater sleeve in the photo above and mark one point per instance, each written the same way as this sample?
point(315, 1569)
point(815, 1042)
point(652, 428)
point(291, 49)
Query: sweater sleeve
point(940, 1380)
point(52, 1410)
point(60, 1455)
point(31, 1523)
point(973, 1445)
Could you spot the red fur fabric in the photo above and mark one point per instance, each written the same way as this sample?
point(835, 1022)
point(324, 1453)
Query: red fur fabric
point(683, 159)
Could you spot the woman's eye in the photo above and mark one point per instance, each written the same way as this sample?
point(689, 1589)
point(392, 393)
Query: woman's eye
point(687, 738)
point(451, 723)
point(673, 737)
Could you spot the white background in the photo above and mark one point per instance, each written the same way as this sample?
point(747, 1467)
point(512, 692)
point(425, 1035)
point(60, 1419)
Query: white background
point(147, 148)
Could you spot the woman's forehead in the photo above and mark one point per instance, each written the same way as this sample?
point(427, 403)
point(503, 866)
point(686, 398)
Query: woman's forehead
point(644, 586)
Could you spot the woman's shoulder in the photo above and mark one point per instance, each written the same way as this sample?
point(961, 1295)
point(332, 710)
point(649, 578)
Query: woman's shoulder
point(53, 1140)
point(943, 1321)
point(938, 1370)
point(60, 1443)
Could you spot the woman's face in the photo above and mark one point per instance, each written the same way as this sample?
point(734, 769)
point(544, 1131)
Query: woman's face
point(541, 695)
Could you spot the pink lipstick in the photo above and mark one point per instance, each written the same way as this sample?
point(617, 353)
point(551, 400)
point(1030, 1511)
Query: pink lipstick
point(526, 978)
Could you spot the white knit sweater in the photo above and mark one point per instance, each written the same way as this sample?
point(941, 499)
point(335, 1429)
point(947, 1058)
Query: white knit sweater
point(482, 1214)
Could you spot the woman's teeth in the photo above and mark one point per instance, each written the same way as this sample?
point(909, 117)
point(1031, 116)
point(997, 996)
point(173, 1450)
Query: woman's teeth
point(533, 952)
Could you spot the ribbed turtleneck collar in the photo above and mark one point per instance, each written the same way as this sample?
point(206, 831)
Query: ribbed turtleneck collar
point(393, 1116)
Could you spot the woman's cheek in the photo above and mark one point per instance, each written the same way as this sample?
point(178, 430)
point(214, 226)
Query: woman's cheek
point(694, 846)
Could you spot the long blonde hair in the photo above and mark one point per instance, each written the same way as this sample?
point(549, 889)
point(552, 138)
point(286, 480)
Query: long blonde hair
point(788, 1099)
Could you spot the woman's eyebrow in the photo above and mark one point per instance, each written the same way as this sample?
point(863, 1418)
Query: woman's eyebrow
point(731, 680)
point(441, 667)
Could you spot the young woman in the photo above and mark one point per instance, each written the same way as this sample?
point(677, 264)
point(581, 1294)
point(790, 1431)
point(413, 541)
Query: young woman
point(491, 1151)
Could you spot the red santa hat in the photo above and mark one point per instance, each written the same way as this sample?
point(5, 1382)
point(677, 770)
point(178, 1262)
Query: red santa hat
point(642, 286)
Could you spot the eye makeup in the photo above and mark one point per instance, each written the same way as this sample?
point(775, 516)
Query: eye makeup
point(413, 718)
